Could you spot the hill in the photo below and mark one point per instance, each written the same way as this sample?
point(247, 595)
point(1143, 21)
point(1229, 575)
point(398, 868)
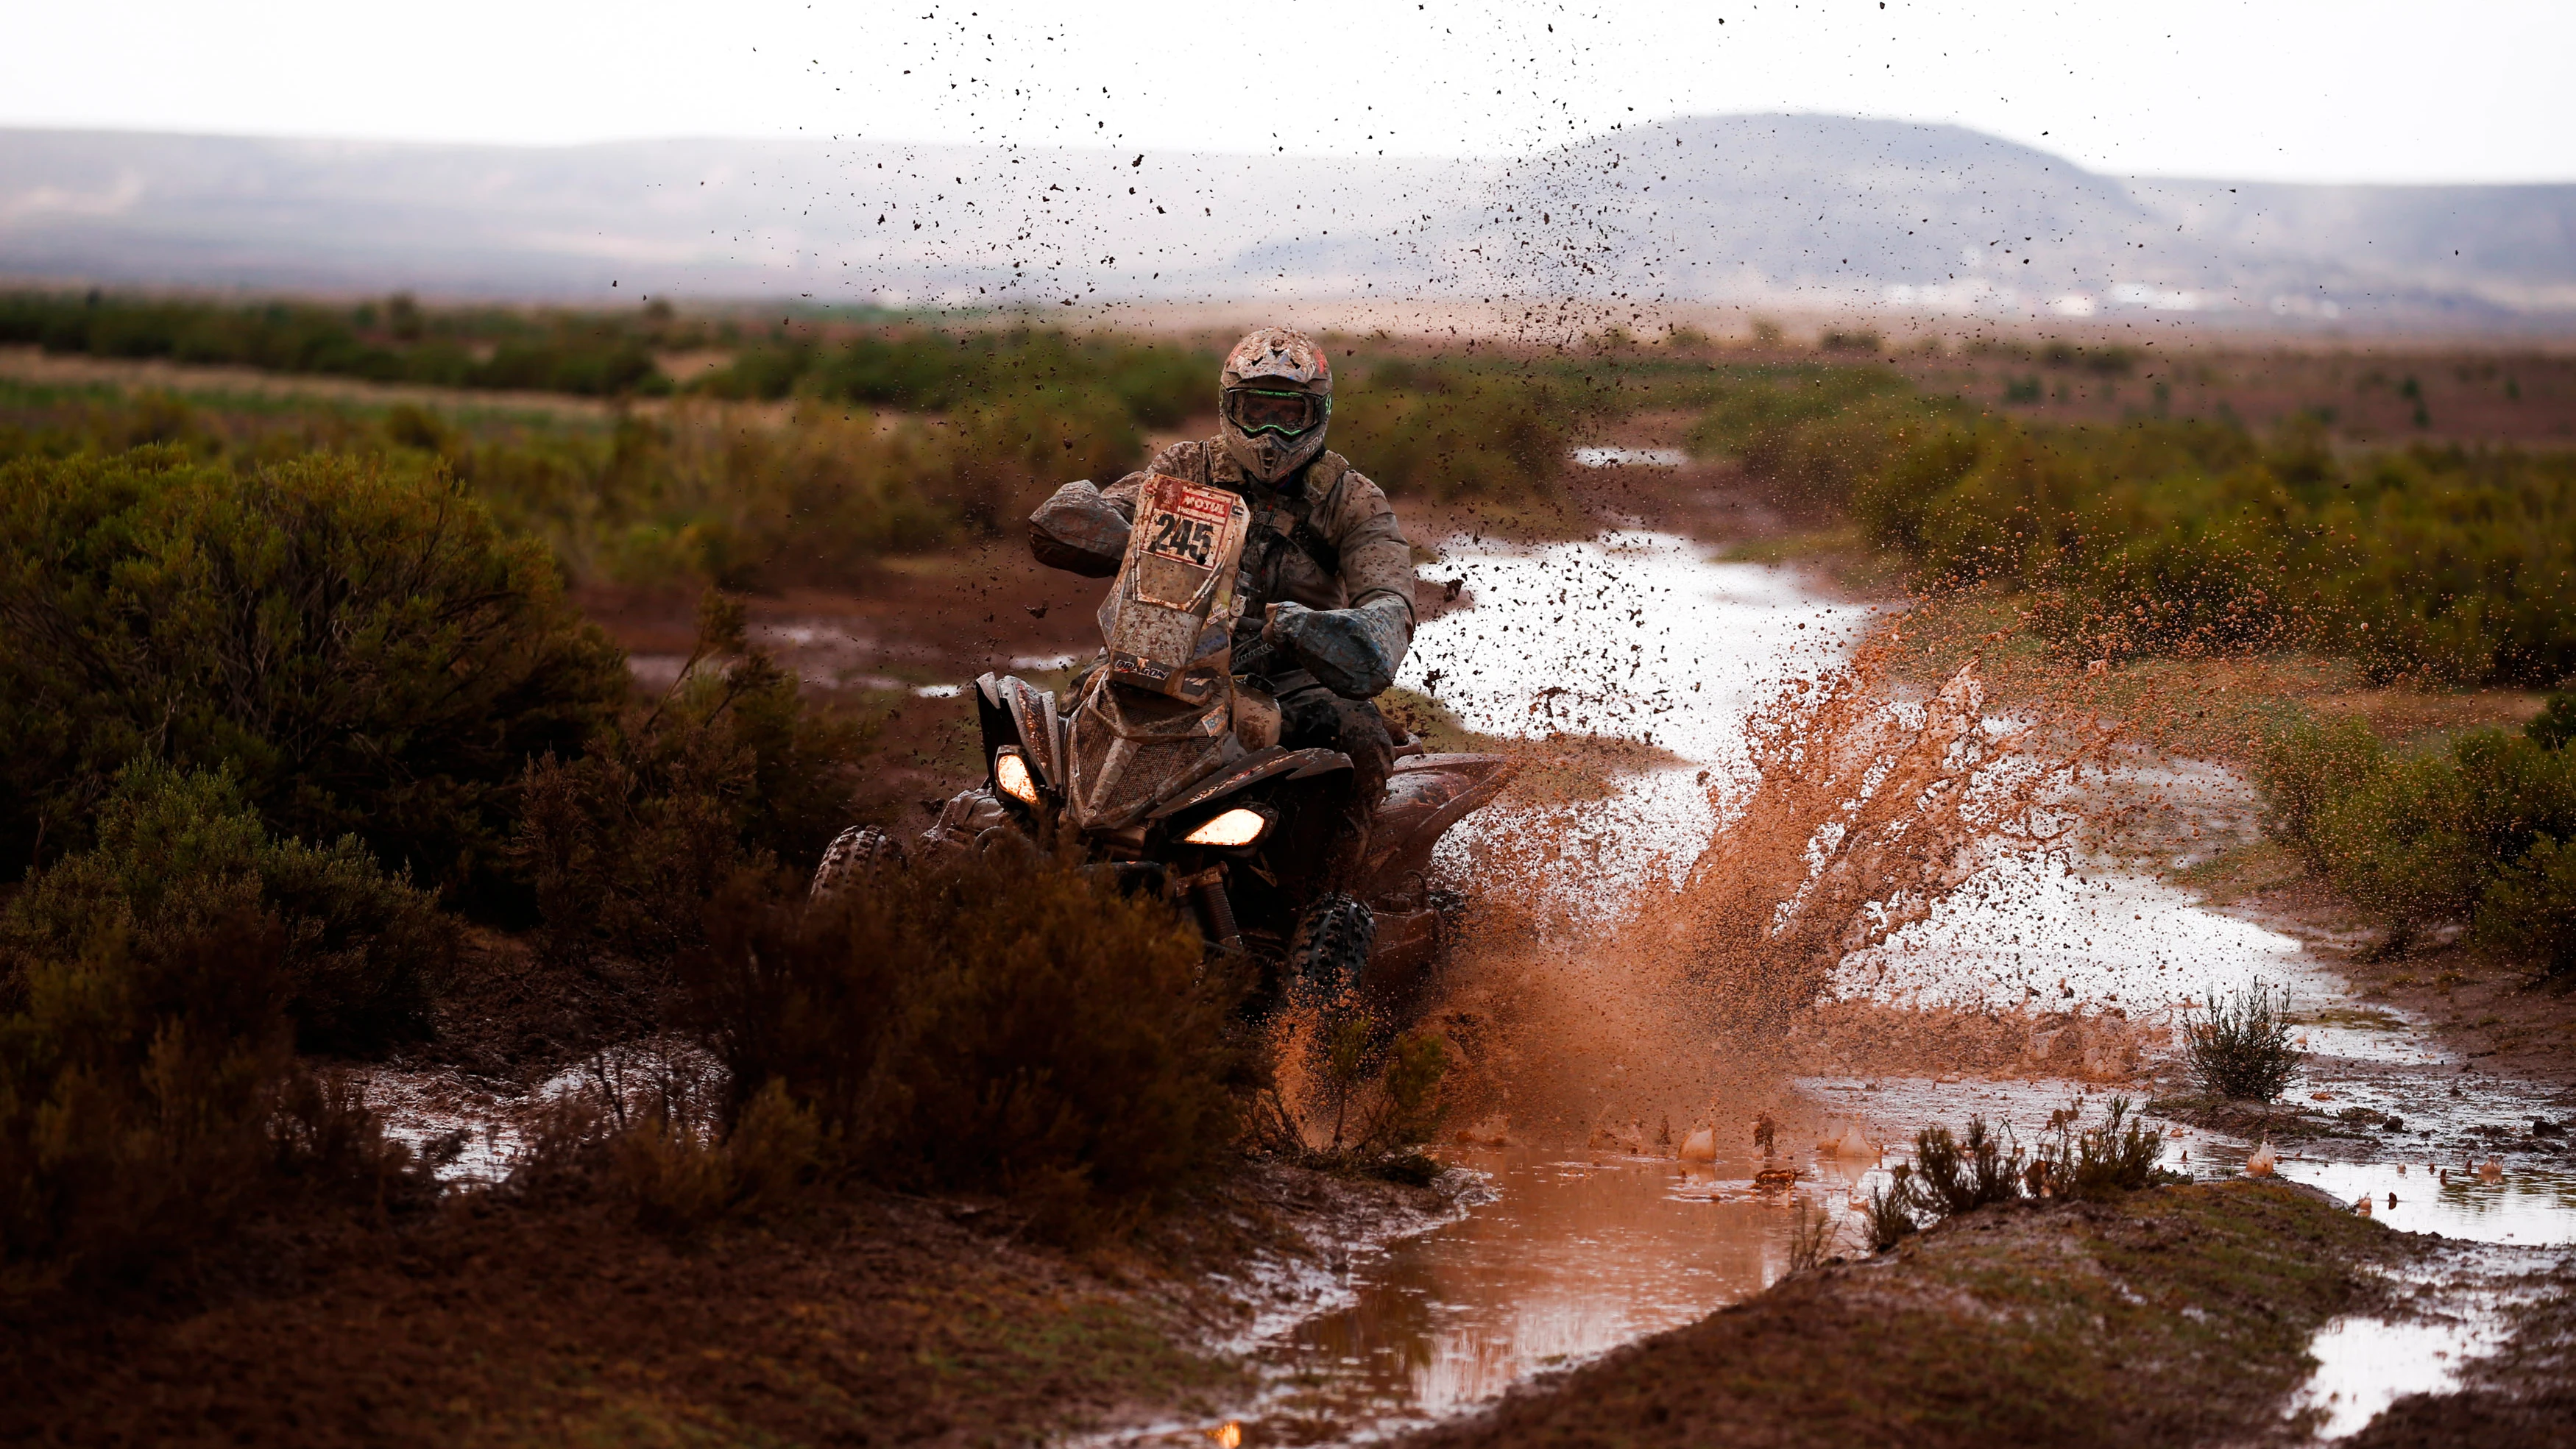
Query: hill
point(1822, 210)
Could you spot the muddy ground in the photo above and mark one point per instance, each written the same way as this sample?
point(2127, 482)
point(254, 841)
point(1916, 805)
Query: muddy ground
point(873, 1319)
point(2174, 1316)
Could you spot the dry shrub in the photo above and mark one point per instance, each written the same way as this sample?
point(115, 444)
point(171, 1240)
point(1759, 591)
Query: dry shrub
point(1813, 1236)
point(2240, 1047)
point(1011, 1025)
point(728, 771)
point(1346, 1097)
point(1960, 1172)
point(2094, 1164)
point(150, 1101)
point(683, 1174)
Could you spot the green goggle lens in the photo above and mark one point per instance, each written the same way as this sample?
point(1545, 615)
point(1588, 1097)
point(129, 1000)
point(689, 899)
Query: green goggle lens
point(1261, 410)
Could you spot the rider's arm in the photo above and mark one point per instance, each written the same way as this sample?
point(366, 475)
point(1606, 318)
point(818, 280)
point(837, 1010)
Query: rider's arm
point(1355, 650)
point(1083, 529)
point(1376, 561)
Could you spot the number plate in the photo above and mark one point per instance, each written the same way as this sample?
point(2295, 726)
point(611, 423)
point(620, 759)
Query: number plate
point(1188, 521)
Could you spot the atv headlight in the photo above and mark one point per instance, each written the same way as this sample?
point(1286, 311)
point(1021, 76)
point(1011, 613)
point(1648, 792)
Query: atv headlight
point(1237, 826)
point(1012, 774)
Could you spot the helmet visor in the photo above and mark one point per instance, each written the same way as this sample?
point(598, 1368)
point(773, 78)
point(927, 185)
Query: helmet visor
point(1273, 410)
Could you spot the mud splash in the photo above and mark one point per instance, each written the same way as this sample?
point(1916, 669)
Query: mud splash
point(1859, 909)
point(1653, 959)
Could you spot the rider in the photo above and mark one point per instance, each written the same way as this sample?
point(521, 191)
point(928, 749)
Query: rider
point(1327, 579)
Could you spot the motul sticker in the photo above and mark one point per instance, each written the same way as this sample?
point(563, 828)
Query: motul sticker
point(1123, 662)
point(1188, 521)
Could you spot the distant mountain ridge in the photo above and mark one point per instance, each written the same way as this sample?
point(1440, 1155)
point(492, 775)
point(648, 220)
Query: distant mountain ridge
point(1826, 211)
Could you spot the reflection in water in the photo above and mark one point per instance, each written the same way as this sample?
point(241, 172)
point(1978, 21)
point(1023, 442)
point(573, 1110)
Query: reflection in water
point(1572, 1258)
point(2522, 1206)
point(2366, 1364)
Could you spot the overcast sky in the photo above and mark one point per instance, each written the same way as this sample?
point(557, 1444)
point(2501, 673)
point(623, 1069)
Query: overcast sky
point(2284, 90)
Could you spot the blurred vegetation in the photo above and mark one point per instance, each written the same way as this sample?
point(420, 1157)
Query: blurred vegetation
point(2239, 1046)
point(930, 370)
point(1452, 432)
point(677, 500)
point(2448, 564)
point(594, 354)
point(2476, 829)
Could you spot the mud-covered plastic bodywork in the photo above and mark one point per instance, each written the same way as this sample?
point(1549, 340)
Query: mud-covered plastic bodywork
point(1167, 767)
point(1138, 777)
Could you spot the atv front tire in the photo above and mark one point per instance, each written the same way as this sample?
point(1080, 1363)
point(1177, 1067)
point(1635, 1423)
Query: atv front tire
point(859, 850)
point(1331, 948)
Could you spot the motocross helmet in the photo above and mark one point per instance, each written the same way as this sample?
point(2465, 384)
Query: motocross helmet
point(1275, 399)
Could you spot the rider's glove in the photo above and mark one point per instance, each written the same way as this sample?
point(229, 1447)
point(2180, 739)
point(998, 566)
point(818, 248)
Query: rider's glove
point(1080, 531)
point(1352, 652)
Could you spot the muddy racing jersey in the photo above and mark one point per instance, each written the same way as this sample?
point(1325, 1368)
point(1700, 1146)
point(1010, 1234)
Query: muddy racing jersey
point(1325, 538)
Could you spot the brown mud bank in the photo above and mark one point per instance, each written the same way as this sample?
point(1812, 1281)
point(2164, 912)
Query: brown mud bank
point(2174, 1316)
point(863, 1319)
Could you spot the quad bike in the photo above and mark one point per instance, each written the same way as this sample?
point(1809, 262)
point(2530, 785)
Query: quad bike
point(1168, 767)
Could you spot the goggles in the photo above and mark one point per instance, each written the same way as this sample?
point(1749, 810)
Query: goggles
point(1265, 410)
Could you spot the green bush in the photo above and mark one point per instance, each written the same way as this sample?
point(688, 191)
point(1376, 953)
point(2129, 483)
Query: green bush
point(179, 855)
point(1009, 451)
point(1455, 433)
point(1814, 438)
point(2240, 1047)
point(362, 651)
point(2528, 912)
point(1011, 1025)
point(150, 1101)
point(2446, 564)
point(2473, 829)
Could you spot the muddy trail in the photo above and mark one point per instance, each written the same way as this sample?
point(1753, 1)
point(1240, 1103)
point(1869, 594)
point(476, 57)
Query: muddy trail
point(1714, 979)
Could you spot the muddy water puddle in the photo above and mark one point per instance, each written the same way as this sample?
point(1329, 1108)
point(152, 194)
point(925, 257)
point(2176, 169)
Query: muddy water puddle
point(1558, 1258)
